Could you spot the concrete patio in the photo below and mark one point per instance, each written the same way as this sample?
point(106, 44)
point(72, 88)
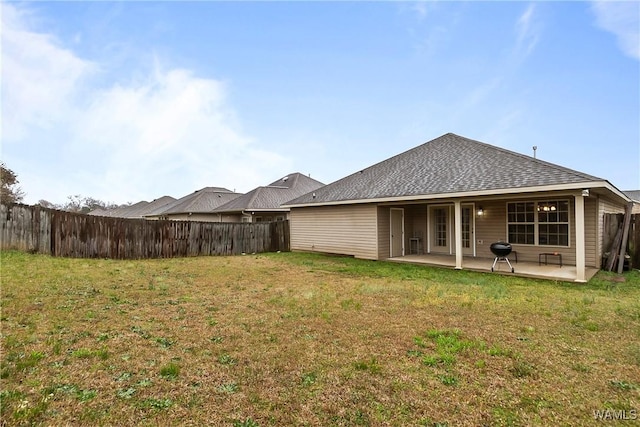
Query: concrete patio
point(551, 271)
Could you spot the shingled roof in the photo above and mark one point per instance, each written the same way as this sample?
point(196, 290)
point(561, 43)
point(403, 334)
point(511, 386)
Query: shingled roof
point(155, 206)
point(270, 197)
point(204, 200)
point(136, 210)
point(633, 194)
point(446, 165)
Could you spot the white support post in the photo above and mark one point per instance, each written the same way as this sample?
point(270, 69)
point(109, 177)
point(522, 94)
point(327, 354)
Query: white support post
point(581, 274)
point(458, 233)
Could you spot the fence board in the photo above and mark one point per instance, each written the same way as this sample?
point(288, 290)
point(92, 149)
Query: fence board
point(25, 228)
point(66, 234)
point(613, 225)
point(634, 241)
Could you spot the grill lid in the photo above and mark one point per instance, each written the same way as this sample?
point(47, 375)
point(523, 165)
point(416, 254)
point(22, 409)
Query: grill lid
point(501, 248)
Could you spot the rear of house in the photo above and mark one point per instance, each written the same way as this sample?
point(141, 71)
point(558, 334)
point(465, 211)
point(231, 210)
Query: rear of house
point(454, 196)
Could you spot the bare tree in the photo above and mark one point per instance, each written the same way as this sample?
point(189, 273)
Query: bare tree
point(81, 204)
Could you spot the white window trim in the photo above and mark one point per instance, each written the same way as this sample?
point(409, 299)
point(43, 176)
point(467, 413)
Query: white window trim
point(431, 232)
point(536, 223)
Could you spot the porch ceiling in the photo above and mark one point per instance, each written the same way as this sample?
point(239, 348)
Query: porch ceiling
point(526, 269)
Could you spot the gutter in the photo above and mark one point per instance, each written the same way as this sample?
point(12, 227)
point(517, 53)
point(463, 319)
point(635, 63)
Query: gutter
point(478, 193)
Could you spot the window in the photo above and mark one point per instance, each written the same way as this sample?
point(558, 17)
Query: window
point(521, 222)
point(545, 223)
point(466, 227)
point(441, 226)
point(553, 223)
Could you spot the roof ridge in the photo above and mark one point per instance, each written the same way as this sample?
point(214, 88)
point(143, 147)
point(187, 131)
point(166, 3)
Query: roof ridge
point(213, 190)
point(524, 156)
point(294, 179)
point(449, 163)
point(253, 197)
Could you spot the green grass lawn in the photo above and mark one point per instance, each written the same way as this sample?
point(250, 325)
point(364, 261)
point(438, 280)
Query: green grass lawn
point(301, 339)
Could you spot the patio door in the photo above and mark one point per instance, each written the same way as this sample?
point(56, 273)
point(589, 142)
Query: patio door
point(397, 232)
point(440, 229)
point(468, 230)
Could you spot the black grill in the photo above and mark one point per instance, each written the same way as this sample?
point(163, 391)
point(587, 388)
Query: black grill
point(501, 250)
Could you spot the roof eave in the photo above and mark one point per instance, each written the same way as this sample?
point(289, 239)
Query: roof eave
point(246, 210)
point(479, 193)
point(268, 209)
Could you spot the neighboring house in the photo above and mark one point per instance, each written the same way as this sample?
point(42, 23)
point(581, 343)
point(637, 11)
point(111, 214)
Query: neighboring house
point(262, 204)
point(197, 206)
point(137, 210)
point(119, 212)
point(635, 196)
point(455, 196)
point(157, 206)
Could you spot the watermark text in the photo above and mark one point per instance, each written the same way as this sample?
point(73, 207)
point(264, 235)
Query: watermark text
point(615, 414)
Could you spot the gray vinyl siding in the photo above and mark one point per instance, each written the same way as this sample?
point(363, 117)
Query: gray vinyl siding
point(364, 230)
point(200, 217)
point(530, 253)
point(229, 218)
point(384, 232)
point(592, 257)
point(609, 206)
point(492, 227)
point(347, 230)
point(415, 225)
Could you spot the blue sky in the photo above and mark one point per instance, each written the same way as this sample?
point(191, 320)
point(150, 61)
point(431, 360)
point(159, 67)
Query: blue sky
point(133, 101)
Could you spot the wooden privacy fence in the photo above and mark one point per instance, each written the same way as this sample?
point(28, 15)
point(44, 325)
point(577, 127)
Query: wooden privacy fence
point(65, 234)
point(613, 229)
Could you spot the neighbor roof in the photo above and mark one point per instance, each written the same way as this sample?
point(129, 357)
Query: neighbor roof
point(158, 205)
point(446, 165)
point(121, 211)
point(633, 195)
point(270, 197)
point(137, 210)
point(204, 200)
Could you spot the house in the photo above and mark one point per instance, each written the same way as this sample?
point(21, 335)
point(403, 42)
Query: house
point(136, 210)
point(263, 203)
point(635, 196)
point(197, 206)
point(454, 197)
point(155, 207)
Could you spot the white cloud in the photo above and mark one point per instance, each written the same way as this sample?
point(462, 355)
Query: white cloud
point(170, 133)
point(622, 18)
point(527, 31)
point(39, 78)
point(421, 9)
point(480, 94)
point(174, 127)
